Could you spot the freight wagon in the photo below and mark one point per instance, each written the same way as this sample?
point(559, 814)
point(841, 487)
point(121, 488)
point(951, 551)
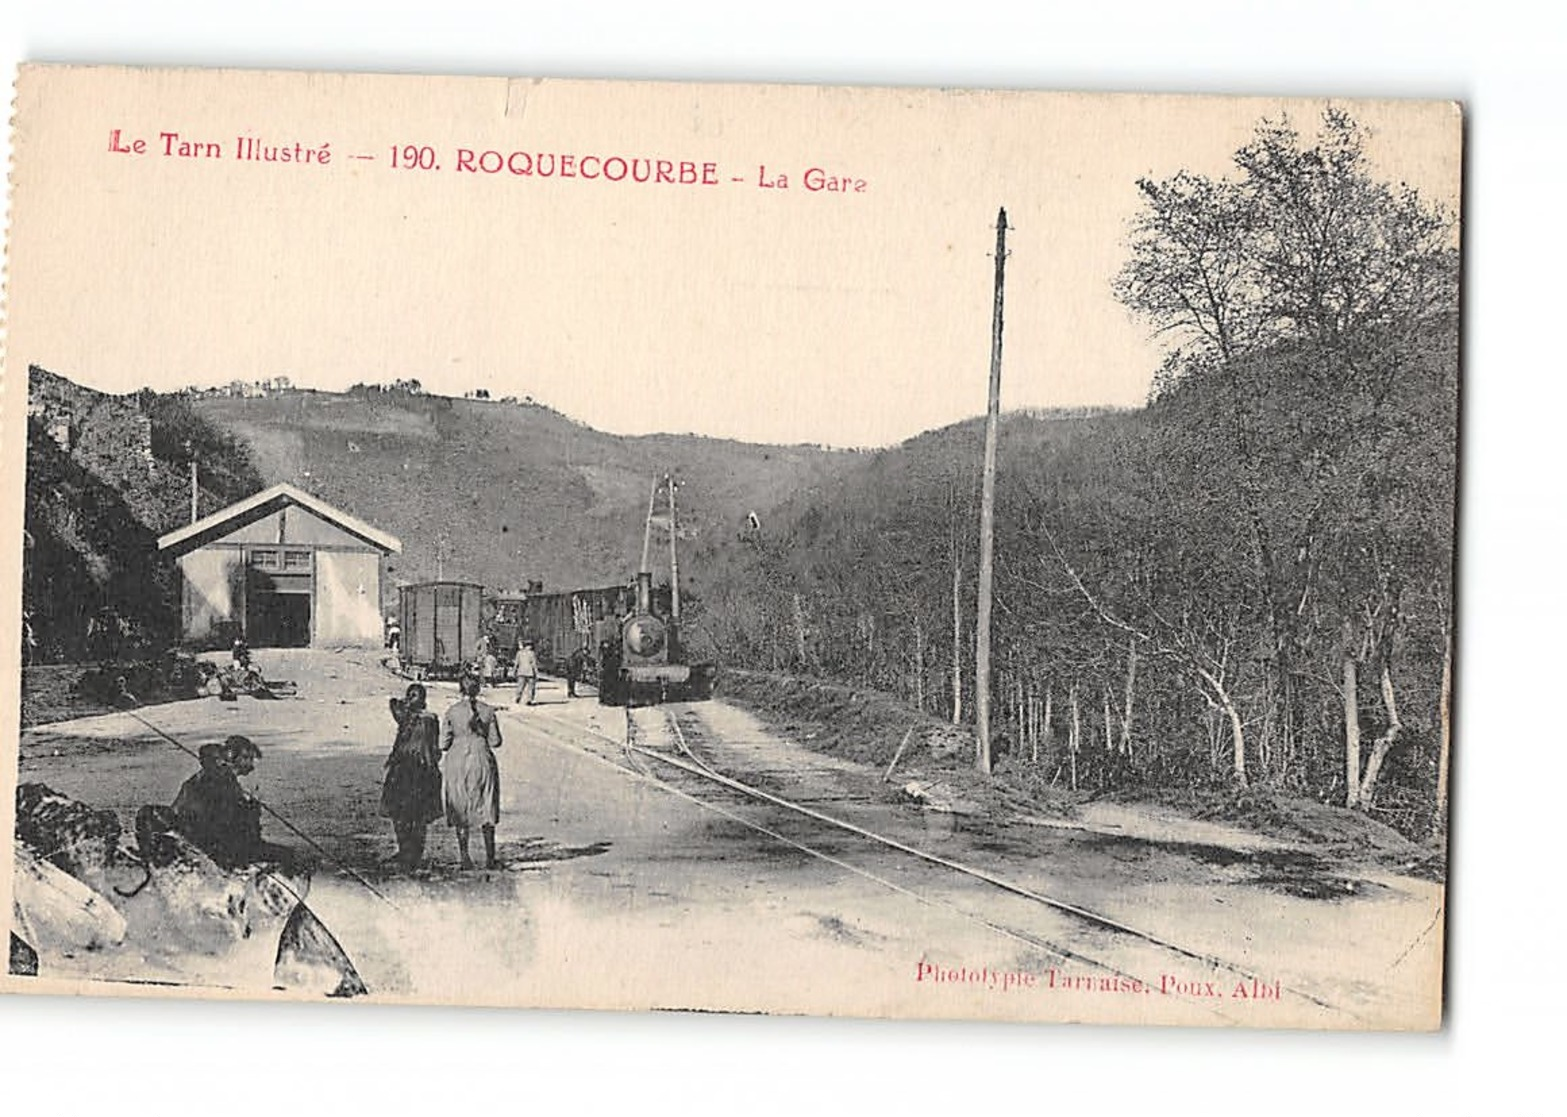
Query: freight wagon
point(441, 626)
point(562, 623)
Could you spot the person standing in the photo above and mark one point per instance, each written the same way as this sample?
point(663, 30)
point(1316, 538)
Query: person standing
point(411, 791)
point(527, 674)
point(487, 660)
point(470, 777)
point(394, 643)
point(576, 667)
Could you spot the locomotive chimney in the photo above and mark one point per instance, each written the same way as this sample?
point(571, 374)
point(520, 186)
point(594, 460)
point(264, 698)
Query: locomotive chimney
point(644, 591)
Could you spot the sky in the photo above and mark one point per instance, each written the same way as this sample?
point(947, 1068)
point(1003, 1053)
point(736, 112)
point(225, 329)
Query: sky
point(752, 307)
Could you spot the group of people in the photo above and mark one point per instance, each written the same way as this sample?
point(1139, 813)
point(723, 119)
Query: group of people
point(443, 766)
point(215, 812)
point(487, 665)
point(439, 767)
point(526, 670)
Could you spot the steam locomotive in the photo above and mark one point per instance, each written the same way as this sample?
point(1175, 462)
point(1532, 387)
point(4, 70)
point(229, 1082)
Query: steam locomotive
point(643, 662)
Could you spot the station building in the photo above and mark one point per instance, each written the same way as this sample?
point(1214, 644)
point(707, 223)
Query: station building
point(283, 569)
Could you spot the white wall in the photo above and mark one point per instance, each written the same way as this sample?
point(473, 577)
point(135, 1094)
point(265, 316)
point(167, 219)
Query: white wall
point(212, 593)
point(348, 599)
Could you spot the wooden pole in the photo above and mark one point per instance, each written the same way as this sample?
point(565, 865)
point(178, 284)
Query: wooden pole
point(903, 744)
point(647, 526)
point(674, 562)
point(987, 510)
point(1020, 710)
point(957, 641)
point(1131, 694)
point(1351, 733)
point(1075, 740)
point(1045, 718)
point(1032, 701)
point(195, 487)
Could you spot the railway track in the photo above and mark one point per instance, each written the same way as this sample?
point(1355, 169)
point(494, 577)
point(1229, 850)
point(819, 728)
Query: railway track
point(1084, 949)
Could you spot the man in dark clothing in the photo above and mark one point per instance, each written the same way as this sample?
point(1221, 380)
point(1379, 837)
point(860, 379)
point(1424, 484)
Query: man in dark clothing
point(215, 813)
point(576, 667)
point(218, 815)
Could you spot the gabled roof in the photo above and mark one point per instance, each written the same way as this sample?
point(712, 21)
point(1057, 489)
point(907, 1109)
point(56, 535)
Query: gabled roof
point(263, 504)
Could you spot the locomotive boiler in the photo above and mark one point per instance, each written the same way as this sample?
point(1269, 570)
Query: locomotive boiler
point(644, 663)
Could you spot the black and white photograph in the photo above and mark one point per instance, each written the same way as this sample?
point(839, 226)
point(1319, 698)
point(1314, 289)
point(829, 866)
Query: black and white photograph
point(807, 550)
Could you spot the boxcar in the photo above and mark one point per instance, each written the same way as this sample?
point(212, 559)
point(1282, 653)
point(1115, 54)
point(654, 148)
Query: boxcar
point(440, 627)
point(560, 623)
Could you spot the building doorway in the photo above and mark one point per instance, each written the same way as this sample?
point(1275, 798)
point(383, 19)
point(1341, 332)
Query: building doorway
point(277, 610)
point(278, 620)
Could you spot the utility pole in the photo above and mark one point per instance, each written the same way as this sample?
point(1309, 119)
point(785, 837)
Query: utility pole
point(647, 527)
point(195, 488)
point(674, 562)
point(987, 512)
point(443, 547)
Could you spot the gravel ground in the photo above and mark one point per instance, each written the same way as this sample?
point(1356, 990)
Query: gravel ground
point(622, 893)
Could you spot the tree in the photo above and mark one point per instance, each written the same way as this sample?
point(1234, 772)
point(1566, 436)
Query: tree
point(1304, 245)
point(1297, 296)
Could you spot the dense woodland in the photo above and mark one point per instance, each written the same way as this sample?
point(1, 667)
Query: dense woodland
point(1248, 583)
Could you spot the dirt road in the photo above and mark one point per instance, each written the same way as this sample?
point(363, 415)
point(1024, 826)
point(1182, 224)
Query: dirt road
point(623, 892)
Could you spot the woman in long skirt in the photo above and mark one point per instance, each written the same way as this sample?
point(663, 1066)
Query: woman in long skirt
point(411, 792)
point(471, 784)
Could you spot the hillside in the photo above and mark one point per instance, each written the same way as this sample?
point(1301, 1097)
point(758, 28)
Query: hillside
point(106, 475)
point(503, 492)
point(1178, 590)
point(846, 569)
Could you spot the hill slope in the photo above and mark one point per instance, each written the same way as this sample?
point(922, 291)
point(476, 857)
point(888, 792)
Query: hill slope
point(106, 475)
point(850, 572)
point(1178, 591)
point(502, 493)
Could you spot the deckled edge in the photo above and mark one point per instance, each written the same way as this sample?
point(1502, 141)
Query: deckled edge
point(12, 561)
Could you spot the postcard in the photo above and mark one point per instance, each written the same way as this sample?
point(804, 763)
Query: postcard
point(914, 553)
